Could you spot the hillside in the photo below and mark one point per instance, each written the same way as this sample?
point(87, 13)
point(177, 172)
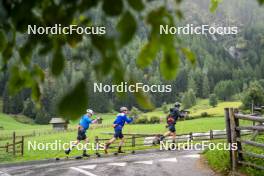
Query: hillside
point(201, 107)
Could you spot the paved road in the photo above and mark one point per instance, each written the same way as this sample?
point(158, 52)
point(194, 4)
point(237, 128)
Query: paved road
point(168, 163)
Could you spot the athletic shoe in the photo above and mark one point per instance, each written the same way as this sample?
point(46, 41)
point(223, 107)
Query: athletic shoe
point(67, 152)
point(105, 150)
point(120, 151)
point(85, 155)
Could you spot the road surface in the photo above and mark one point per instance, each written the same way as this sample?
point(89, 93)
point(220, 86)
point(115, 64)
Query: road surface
point(161, 163)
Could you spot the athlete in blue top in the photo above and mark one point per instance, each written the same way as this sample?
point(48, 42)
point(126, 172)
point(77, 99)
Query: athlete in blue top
point(118, 125)
point(82, 128)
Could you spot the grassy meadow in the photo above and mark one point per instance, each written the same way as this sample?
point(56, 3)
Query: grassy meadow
point(217, 159)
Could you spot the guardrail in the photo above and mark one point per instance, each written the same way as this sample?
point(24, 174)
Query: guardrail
point(234, 136)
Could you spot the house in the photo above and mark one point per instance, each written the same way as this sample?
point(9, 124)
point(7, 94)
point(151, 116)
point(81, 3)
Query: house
point(59, 124)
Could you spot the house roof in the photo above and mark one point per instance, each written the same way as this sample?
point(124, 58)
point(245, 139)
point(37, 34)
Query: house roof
point(57, 120)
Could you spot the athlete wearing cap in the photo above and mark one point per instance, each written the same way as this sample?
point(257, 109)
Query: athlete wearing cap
point(171, 122)
point(118, 125)
point(83, 126)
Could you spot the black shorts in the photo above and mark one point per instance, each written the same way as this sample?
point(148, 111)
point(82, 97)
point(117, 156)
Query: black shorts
point(81, 135)
point(118, 134)
point(172, 128)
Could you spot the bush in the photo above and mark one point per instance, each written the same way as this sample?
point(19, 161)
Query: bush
point(225, 90)
point(204, 114)
point(165, 108)
point(42, 117)
point(254, 94)
point(135, 112)
point(29, 109)
point(142, 120)
point(154, 119)
point(188, 99)
point(213, 100)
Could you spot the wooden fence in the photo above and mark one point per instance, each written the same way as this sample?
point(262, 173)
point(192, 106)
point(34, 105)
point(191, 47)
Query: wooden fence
point(147, 140)
point(49, 132)
point(16, 146)
point(234, 136)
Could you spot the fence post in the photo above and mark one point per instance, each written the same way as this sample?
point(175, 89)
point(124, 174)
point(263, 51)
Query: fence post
point(233, 138)
point(22, 146)
point(238, 135)
point(7, 146)
point(228, 132)
point(211, 134)
point(14, 143)
point(191, 136)
point(96, 144)
point(133, 141)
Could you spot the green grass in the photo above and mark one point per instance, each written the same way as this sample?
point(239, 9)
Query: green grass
point(199, 125)
point(196, 125)
point(201, 106)
point(219, 160)
point(10, 124)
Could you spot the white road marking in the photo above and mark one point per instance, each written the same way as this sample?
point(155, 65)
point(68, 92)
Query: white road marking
point(4, 174)
point(83, 171)
point(192, 156)
point(117, 164)
point(87, 167)
point(144, 162)
point(168, 160)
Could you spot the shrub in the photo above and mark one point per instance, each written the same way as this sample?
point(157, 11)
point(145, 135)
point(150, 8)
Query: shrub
point(135, 112)
point(165, 108)
point(204, 114)
point(42, 117)
point(224, 90)
point(154, 119)
point(142, 120)
point(29, 109)
point(213, 100)
point(254, 94)
point(188, 99)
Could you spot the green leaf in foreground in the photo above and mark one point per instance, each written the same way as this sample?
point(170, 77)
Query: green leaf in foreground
point(127, 27)
point(169, 64)
point(73, 104)
point(57, 64)
point(3, 40)
point(189, 55)
point(214, 5)
point(113, 7)
point(148, 53)
point(19, 80)
point(136, 4)
point(261, 2)
point(143, 100)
